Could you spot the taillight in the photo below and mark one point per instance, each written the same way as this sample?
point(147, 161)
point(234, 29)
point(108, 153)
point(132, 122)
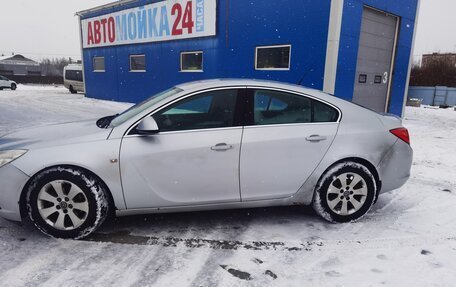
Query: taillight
point(401, 133)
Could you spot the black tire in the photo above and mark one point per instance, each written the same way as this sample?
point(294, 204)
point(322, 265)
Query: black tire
point(325, 194)
point(96, 200)
point(13, 87)
point(72, 90)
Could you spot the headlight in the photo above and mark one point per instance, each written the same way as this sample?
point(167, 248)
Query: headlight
point(8, 156)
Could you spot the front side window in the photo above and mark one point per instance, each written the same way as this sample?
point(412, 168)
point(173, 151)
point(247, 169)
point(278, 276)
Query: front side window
point(98, 64)
point(144, 106)
point(274, 107)
point(209, 110)
point(192, 61)
point(138, 63)
point(273, 58)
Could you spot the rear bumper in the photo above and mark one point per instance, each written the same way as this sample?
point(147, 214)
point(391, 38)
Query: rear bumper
point(394, 169)
point(12, 181)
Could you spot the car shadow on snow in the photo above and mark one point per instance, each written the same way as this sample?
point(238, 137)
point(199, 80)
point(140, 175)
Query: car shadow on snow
point(196, 229)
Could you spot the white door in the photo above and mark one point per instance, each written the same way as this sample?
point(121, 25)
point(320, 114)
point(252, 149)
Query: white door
point(288, 137)
point(193, 160)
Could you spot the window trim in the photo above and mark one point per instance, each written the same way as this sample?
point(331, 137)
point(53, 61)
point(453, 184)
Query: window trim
point(272, 69)
point(145, 63)
point(192, 71)
point(93, 64)
point(244, 107)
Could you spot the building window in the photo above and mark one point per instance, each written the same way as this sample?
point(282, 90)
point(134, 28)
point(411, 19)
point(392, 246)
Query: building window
point(98, 64)
point(192, 61)
point(137, 63)
point(273, 58)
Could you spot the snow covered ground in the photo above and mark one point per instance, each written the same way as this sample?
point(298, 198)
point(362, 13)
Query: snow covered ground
point(408, 238)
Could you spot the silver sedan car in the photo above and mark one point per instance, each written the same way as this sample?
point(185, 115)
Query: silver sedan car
point(208, 145)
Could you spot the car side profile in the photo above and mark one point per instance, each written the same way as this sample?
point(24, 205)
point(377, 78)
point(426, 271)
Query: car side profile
point(208, 145)
point(6, 83)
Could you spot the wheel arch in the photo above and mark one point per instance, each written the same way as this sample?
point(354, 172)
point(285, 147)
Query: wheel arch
point(23, 197)
point(361, 161)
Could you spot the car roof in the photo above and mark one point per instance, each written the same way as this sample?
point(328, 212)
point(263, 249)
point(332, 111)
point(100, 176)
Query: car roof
point(217, 83)
point(73, 67)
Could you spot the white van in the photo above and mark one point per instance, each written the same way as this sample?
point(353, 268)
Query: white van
point(72, 78)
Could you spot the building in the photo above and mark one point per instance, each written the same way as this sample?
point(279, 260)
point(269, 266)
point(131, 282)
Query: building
point(449, 58)
point(359, 50)
point(18, 65)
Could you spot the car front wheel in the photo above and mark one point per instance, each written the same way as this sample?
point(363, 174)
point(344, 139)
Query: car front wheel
point(13, 87)
point(345, 193)
point(67, 203)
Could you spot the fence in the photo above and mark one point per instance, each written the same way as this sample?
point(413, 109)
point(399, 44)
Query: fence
point(434, 96)
point(30, 79)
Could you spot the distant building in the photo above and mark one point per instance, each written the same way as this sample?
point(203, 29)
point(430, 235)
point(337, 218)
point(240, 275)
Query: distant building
point(18, 65)
point(428, 59)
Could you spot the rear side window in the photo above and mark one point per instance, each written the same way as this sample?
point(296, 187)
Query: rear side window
point(273, 107)
point(323, 113)
point(73, 75)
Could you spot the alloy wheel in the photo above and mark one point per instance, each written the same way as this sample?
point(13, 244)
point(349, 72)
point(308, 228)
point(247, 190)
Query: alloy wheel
point(63, 205)
point(347, 194)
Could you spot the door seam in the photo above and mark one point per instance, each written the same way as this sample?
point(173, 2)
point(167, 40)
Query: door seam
point(239, 165)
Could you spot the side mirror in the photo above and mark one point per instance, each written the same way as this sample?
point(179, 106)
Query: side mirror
point(148, 126)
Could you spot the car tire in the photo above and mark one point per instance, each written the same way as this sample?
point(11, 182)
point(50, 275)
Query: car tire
point(345, 193)
point(13, 87)
point(67, 203)
point(72, 90)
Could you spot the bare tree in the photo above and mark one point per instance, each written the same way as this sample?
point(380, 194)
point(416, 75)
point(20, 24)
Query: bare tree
point(436, 73)
point(54, 66)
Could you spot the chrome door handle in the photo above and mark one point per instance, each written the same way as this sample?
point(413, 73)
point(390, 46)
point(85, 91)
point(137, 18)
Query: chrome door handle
point(316, 138)
point(221, 147)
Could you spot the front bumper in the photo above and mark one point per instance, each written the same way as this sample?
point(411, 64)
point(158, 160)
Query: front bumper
point(12, 181)
point(394, 169)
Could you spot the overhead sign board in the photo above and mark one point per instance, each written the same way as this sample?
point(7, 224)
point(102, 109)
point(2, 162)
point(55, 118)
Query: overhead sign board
point(161, 21)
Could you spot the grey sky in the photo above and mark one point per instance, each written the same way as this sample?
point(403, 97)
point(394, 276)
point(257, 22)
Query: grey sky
point(47, 28)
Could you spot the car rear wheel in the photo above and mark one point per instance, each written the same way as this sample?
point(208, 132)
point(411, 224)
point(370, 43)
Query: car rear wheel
point(72, 90)
point(67, 203)
point(345, 193)
point(13, 87)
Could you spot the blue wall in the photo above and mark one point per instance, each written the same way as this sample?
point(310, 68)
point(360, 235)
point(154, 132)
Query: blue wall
point(241, 26)
point(349, 42)
point(229, 54)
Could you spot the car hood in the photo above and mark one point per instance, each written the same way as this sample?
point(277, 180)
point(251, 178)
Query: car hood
point(54, 135)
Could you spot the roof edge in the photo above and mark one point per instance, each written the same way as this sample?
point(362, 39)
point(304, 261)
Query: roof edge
point(106, 6)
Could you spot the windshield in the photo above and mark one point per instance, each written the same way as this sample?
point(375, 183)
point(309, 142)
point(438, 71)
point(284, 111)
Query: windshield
point(141, 107)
